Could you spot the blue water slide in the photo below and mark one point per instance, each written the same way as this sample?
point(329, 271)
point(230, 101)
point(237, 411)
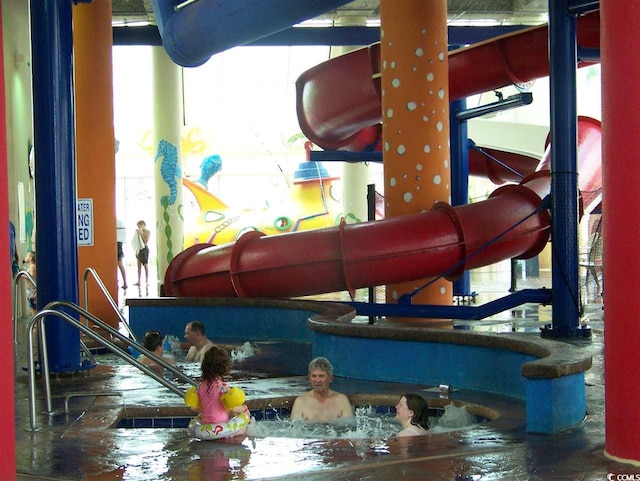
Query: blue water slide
point(194, 31)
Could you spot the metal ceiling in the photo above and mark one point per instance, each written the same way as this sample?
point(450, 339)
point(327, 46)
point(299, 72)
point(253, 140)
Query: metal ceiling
point(465, 12)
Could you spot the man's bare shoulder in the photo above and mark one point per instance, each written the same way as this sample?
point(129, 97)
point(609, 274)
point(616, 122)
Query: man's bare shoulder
point(343, 399)
point(191, 354)
point(303, 400)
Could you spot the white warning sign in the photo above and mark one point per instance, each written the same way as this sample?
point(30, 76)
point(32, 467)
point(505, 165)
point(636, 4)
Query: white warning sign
point(84, 221)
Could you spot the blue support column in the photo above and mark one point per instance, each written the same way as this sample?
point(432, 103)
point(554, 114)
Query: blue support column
point(564, 185)
point(459, 177)
point(54, 140)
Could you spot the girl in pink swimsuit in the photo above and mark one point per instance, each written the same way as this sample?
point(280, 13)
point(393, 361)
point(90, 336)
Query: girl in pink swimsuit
point(223, 412)
point(215, 365)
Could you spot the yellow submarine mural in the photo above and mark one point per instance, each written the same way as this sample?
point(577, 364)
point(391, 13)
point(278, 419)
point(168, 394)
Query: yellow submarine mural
point(310, 203)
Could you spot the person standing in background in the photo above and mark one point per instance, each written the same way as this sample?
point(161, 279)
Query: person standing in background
point(121, 236)
point(32, 291)
point(15, 267)
point(140, 247)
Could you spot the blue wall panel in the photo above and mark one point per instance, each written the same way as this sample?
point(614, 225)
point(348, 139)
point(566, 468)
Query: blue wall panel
point(241, 323)
point(555, 404)
point(458, 365)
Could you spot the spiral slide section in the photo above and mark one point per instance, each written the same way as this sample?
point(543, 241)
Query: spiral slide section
point(338, 101)
point(512, 223)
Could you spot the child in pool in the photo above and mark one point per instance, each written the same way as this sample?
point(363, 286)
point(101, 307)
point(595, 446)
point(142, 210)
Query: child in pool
point(153, 341)
point(412, 412)
point(215, 366)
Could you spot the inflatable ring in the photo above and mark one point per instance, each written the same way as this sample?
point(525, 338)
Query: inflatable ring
point(215, 431)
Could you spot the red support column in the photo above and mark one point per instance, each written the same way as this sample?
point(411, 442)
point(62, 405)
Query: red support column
point(620, 28)
point(7, 404)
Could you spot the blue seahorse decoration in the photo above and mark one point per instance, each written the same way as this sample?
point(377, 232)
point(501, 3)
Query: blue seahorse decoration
point(171, 174)
point(210, 166)
point(169, 170)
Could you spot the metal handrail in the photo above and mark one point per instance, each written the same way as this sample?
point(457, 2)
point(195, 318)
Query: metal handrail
point(16, 299)
point(87, 394)
point(112, 303)
point(39, 318)
point(115, 333)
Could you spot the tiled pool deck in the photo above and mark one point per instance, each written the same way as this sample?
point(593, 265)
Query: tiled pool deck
point(85, 444)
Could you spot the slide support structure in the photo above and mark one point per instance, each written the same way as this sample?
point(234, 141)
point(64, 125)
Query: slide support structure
point(564, 180)
point(459, 179)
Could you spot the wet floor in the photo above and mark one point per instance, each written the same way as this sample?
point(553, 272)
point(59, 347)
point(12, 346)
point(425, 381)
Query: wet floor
point(85, 444)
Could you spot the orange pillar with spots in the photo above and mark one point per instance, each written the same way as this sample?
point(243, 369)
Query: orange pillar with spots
point(415, 120)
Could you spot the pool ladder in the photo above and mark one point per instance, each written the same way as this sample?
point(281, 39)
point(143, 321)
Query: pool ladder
point(51, 309)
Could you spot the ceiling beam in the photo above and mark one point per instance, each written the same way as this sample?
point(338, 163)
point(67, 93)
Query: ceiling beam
point(332, 36)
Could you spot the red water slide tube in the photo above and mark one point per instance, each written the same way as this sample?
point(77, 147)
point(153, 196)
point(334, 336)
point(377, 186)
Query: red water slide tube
point(352, 256)
point(501, 166)
point(444, 240)
point(338, 101)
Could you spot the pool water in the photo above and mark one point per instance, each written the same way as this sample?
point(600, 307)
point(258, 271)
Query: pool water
point(249, 360)
point(369, 422)
point(263, 359)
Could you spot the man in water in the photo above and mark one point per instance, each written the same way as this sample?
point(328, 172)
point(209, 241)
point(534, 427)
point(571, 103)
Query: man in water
point(195, 335)
point(321, 404)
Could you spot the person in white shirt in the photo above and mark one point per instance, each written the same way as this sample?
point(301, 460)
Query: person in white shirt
point(140, 247)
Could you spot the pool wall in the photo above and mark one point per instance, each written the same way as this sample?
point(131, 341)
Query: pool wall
point(547, 375)
point(230, 320)
point(472, 367)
